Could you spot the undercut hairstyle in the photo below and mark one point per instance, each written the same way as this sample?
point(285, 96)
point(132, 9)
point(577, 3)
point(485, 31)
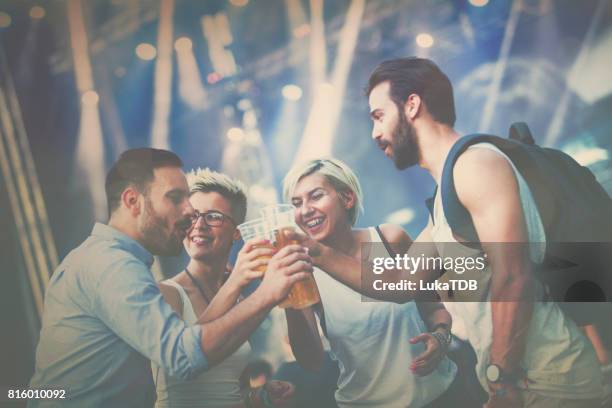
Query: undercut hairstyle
point(206, 181)
point(336, 172)
point(419, 76)
point(135, 168)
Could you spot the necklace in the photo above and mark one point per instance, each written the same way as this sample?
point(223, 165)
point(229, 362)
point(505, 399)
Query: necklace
point(197, 285)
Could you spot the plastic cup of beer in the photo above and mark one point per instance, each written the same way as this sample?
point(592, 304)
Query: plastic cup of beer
point(257, 228)
point(281, 218)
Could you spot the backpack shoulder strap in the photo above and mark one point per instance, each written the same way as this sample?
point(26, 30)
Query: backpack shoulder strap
point(458, 217)
point(520, 131)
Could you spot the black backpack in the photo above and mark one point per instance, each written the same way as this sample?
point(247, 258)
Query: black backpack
point(576, 213)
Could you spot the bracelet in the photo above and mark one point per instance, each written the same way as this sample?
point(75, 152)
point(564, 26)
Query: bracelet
point(265, 398)
point(248, 399)
point(442, 325)
point(443, 340)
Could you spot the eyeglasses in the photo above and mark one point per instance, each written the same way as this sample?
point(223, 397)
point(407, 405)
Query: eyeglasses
point(211, 218)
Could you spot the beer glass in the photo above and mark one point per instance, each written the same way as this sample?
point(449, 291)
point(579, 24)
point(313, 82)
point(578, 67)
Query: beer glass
point(281, 218)
point(257, 228)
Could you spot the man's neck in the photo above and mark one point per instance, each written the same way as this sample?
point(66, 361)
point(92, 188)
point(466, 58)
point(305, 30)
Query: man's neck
point(435, 141)
point(125, 226)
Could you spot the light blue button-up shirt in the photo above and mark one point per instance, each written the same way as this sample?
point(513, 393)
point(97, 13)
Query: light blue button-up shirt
point(104, 319)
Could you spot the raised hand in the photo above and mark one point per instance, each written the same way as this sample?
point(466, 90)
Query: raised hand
point(251, 263)
point(314, 247)
point(280, 393)
point(289, 265)
point(427, 361)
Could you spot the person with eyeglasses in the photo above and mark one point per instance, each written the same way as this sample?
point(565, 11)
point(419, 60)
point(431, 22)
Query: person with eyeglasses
point(205, 289)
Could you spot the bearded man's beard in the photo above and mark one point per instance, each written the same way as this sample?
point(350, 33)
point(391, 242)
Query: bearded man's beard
point(155, 236)
point(404, 144)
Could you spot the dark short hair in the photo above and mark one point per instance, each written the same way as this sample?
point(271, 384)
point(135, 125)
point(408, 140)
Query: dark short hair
point(419, 76)
point(135, 168)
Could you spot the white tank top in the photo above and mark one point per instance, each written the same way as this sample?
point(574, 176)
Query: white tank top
point(370, 341)
point(559, 361)
point(217, 387)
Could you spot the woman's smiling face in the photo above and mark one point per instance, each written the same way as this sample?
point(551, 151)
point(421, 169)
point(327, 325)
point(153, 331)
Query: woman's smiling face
point(320, 209)
point(206, 242)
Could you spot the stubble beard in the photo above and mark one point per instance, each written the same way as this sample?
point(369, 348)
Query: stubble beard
point(404, 144)
point(154, 235)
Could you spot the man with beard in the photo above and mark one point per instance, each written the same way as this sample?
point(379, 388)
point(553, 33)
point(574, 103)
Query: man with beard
point(104, 317)
point(528, 353)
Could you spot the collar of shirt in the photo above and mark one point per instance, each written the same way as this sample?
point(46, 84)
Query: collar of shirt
point(129, 244)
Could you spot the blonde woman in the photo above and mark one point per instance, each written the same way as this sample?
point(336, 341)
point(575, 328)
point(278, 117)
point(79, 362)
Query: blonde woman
point(203, 291)
point(390, 355)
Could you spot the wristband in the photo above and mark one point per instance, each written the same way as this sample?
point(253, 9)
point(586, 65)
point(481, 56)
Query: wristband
point(248, 399)
point(265, 398)
point(443, 340)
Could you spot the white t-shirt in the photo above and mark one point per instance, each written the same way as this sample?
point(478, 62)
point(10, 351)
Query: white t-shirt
point(559, 361)
point(217, 387)
point(370, 341)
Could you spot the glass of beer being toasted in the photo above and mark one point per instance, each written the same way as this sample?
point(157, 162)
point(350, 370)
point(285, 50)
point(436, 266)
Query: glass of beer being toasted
point(259, 228)
point(281, 218)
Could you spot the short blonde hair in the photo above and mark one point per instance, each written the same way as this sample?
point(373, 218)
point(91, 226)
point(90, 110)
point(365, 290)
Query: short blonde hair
point(336, 172)
point(207, 180)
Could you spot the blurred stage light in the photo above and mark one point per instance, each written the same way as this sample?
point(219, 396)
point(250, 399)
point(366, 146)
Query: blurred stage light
point(213, 77)
point(245, 104)
point(479, 3)
point(191, 89)
point(401, 217)
point(424, 40)
point(37, 12)
point(239, 3)
point(218, 34)
point(263, 194)
point(120, 72)
point(90, 149)
point(587, 156)
point(229, 111)
point(183, 44)
point(249, 120)
point(146, 51)
point(292, 92)
point(235, 134)
point(5, 19)
point(90, 98)
point(318, 136)
point(301, 31)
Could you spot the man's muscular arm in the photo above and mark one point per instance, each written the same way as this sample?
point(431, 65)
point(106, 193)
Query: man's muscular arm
point(487, 187)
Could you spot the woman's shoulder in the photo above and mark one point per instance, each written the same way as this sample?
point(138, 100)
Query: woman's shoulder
point(171, 295)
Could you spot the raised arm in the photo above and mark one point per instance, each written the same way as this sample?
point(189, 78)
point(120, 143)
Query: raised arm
point(251, 259)
point(431, 310)
point(129, 302)
point(348, 270)
point(222, 336)
point(304, 338)
point(435, 316)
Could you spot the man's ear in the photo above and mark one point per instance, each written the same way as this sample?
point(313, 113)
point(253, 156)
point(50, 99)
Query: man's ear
point(131, 200)
point(412, 106)
point(348, 199)
point(236, 235)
